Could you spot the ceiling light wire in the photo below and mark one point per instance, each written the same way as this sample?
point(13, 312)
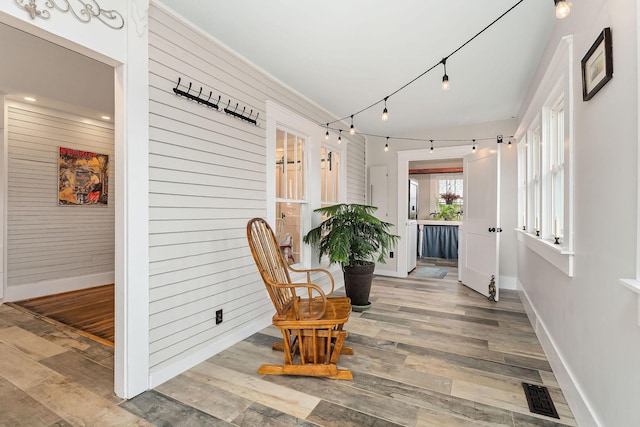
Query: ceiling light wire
point(433, 66)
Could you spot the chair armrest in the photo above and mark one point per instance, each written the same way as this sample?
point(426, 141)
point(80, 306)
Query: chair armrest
point(315, 270)
point(316, 306)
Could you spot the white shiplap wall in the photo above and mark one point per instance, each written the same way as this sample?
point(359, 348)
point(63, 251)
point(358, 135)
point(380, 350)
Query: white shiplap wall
point(52, 248)
point(207, 179)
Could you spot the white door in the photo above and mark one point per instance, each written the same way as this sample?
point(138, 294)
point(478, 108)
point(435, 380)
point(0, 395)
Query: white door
point(480, 232)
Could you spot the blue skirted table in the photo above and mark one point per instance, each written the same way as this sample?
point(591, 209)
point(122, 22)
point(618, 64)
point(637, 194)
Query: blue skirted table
point(438, 240)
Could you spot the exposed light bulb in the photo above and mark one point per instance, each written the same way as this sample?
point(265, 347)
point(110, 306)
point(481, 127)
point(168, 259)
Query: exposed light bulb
point(352, 130)
point(445, 78)
point(326, 135)
point(431, 150)
point(445, 82)
point(340, 137)
point(385, 113)
point(562, 9)
point(474, 146)
point(386, 146)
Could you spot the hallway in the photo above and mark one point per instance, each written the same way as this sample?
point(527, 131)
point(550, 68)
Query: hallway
point(428, 353)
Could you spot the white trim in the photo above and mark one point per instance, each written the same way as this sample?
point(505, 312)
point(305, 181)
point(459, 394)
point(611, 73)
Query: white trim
point(581, 408)
point(48, 287)
point(185, 363)
point(455, 152)
point(557, 255)
point(4, 188)
point(132, 208)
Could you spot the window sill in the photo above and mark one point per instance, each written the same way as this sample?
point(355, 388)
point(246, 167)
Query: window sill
point(556, 255)
point(634, 285)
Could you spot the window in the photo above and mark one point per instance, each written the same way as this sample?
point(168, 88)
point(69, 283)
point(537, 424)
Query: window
point(522, 182)
point(450, 184)
point(329, 176)
point(535, 179)
point(545, 151)
point(556, 166)
point(304, 172)
point(290, 193)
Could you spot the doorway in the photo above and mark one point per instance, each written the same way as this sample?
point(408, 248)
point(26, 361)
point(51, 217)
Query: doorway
point(76, 92)
point(404, 157)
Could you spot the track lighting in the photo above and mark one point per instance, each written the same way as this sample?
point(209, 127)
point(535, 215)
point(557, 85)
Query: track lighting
point(326, 135)
point(431, 150)
point(385, 113)
point(352, 130)
point(340, 137)
point(474, 146)
point(562, 9)
point(386, 146)
point(445, 78)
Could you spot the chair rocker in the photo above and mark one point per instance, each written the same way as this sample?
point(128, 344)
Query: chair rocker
point(312, 327)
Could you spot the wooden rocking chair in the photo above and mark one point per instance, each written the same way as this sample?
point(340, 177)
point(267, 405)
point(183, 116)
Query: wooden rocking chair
point(312, 328)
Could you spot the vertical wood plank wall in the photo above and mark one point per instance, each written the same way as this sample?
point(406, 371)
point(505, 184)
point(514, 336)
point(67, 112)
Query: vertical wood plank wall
point(207, 179)
point(47, 242)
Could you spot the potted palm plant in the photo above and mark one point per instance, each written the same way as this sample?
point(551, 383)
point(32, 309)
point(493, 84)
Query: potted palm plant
point(354, 238)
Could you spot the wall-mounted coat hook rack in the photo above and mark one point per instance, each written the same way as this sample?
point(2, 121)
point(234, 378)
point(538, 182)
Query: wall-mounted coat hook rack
point(197, 97)
point(241, 115)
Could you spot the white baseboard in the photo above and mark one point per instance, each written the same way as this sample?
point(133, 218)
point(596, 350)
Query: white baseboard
point(175, 369)
point(580, 407)
point(50, 287)
point(387, 273)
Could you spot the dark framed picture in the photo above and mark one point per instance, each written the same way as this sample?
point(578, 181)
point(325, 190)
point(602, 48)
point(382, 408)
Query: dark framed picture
point(597, 65)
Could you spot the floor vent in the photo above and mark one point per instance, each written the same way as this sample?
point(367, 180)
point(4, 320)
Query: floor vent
point(539, 400)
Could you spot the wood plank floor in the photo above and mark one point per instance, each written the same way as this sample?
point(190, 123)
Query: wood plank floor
point(90, 311)
point(428, 353)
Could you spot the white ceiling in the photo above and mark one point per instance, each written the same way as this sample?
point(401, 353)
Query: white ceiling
point(57, 77)
point(346, 55)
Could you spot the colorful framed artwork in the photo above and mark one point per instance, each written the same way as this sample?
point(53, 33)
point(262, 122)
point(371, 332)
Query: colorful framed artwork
point(83, 177)
point(597, 65)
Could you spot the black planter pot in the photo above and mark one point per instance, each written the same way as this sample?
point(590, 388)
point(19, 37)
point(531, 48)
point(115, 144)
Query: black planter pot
point(357, 284)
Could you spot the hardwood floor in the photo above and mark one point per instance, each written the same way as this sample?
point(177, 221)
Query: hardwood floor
point(428, 353)
point(89, 311)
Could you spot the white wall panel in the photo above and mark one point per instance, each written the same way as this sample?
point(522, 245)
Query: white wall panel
point(207, 179)
point(47, 242)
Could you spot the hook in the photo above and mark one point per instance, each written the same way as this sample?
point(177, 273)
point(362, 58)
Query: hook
point(198, 97)
point(257, 117)
point(228, 103)
point(236, 107)
point(210, 93)
point(188, 90)
point(244, 108)
point(250, 113)
point(178, 85)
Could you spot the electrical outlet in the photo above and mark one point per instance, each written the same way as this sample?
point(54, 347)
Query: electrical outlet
point(390, 254)
point(218, 316)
